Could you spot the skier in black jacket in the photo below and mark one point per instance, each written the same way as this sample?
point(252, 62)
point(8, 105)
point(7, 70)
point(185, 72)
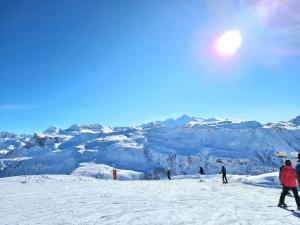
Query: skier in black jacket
point(201, 172)
point(297, 168)
point(223, 172)
point(280, 173)
point(169, 174)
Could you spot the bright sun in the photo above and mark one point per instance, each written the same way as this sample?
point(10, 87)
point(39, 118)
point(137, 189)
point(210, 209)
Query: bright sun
point(229, 42)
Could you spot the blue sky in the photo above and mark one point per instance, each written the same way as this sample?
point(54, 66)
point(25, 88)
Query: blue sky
point(128, 62)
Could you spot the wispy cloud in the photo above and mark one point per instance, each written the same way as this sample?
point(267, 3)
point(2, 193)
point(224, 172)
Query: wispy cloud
point(14, 107)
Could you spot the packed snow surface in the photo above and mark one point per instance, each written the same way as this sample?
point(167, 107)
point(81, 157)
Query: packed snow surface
point(63, 200)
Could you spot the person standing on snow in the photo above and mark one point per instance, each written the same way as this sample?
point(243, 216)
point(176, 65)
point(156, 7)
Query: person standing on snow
point(298, 171)
point(289, 181)
point(201, 172)
point(280, 170)
point(114, 173)
point(169, 174)
point(223, 172)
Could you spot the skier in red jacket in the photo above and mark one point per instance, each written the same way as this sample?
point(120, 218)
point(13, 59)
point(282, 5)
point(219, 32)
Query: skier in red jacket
point(288, 181)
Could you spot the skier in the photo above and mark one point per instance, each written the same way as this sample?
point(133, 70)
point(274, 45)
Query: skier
point(114, 173)
point(298, 172)
point(169, 174)
point(201, 172)
point(223, 172)
point(289, 181)
point(280, 170)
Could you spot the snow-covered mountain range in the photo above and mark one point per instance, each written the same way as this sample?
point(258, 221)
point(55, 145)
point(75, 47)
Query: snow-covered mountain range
point(182, 145)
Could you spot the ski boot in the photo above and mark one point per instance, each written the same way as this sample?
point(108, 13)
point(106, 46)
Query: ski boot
point(283, 205)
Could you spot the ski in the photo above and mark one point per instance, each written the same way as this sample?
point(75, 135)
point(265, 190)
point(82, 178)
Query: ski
point(288, 209)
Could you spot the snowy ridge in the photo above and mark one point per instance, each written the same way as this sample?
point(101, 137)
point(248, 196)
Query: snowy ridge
point(182, 145)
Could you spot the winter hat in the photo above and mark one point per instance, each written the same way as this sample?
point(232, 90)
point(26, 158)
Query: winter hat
point(288, 162)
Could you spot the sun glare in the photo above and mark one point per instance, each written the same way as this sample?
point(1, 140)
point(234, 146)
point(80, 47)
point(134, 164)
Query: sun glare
point(229, 42)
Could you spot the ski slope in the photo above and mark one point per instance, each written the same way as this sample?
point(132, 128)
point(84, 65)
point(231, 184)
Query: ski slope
point(62, 199)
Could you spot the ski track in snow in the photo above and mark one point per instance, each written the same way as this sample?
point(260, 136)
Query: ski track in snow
point(78, 200)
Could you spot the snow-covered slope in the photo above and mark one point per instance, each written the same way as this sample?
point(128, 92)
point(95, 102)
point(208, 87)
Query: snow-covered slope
point(59, 199)
point(100, 171)
point(182, 145)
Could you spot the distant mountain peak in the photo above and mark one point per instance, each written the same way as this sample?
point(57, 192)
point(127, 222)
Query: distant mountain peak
point(74, 127)
point(185, 116)
point(51, 130)
point(182, 120)
point(179, 121)
point(296, 121)
point(212, 119)
point(92, 126)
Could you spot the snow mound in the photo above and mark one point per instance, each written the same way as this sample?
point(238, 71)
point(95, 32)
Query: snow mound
point(101, 171)
point(270, 180)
